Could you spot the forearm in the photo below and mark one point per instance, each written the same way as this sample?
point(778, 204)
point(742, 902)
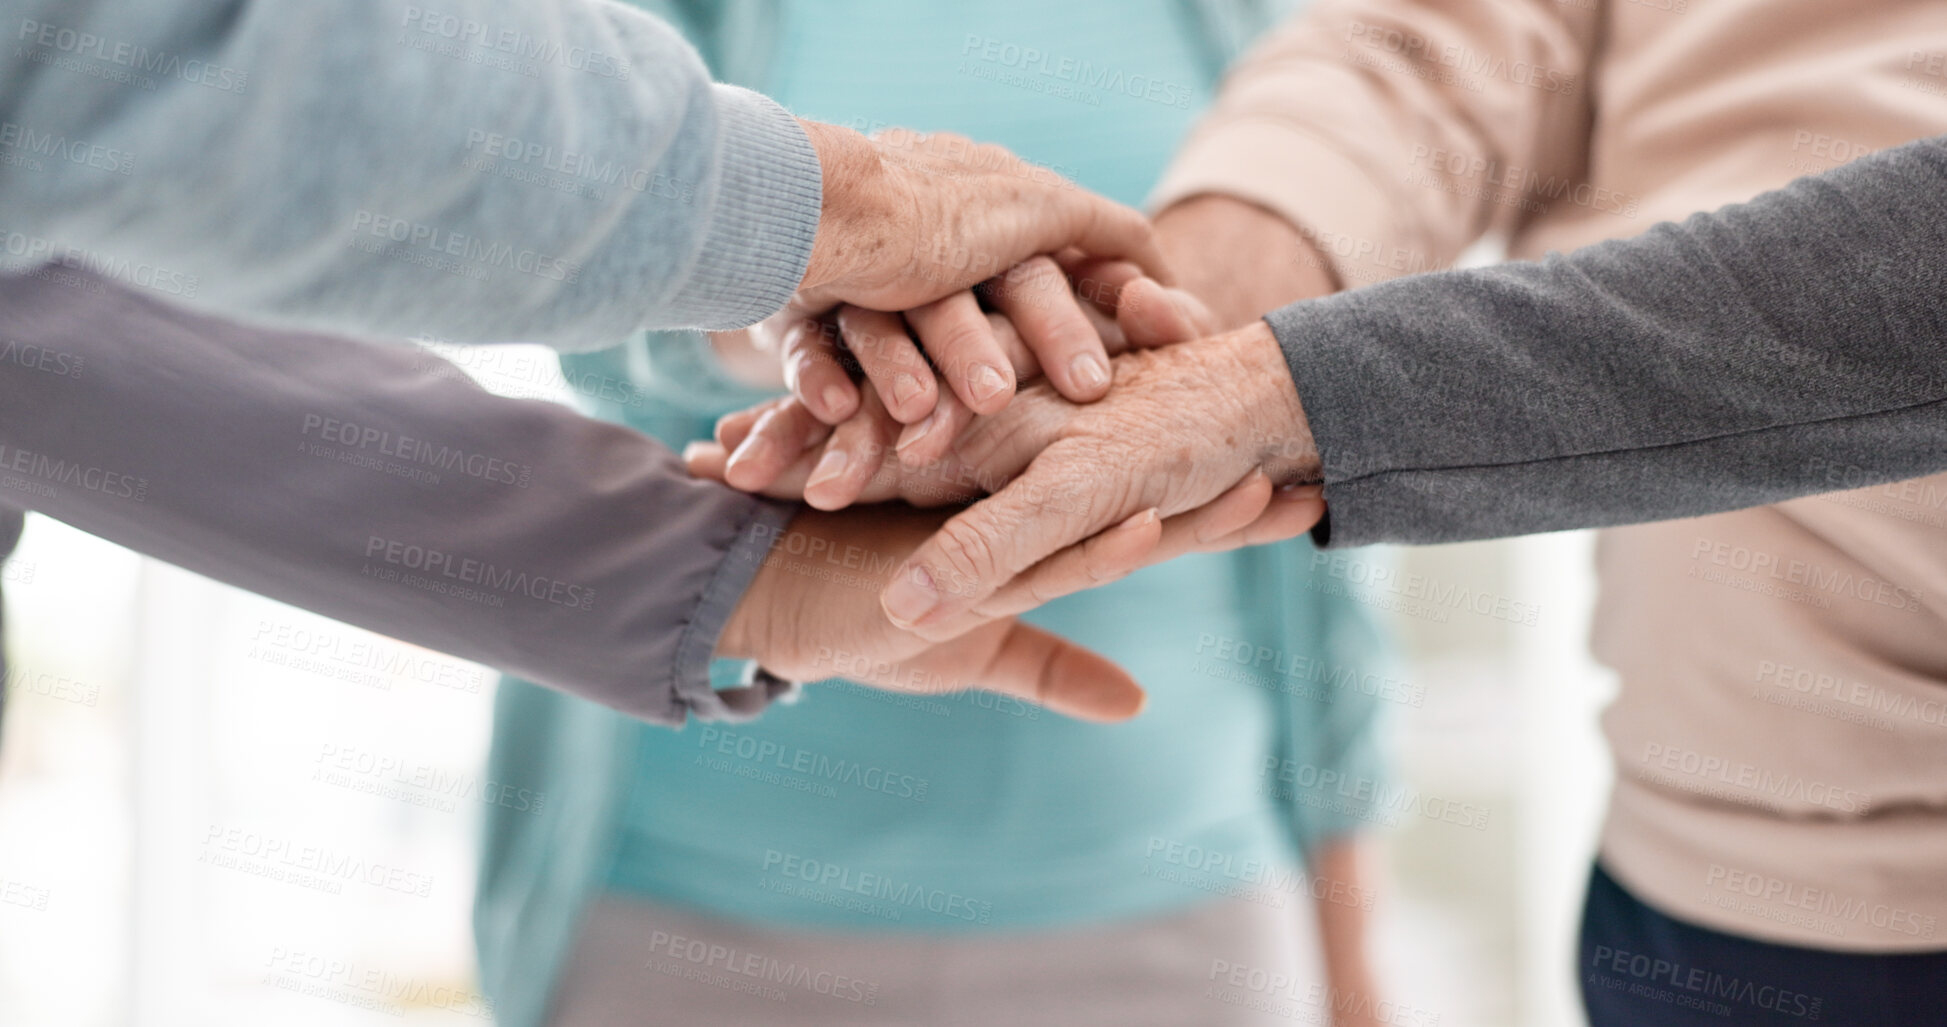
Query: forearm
point(1344, 919)
point(1203, 235)
point(382, 168)
point(374, 485)
point(1779, 348)
point(1352, 122)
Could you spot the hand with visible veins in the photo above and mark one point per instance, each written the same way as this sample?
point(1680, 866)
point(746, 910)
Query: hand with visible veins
point(1181, 426)
point(790, 452)
point(964, 353)
point(784, 448)
point(806, 617)
point(910, 218)
point(912, 222)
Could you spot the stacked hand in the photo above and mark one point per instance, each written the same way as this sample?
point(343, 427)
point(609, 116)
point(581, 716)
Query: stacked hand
point(912, 219)
point(1202, 426)
point(1041, 314)
point(813, 610)
point(903, 381)
point(1180, 426)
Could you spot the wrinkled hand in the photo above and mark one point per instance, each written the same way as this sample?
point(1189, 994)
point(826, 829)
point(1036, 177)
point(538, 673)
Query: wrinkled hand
point(954, 357)
point(1035, 321)
point(1040, 315)
point(911, 218)
point(813, 609)
point(785, 448)
point(910, 222)
point(1180, 426)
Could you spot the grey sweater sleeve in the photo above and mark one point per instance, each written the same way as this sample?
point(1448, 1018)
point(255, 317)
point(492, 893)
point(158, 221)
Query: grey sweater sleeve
point(377, 485)
point(1791, 345)
point(477, 170)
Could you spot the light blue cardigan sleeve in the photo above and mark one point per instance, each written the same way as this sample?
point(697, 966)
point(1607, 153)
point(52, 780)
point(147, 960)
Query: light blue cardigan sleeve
point(561, 172)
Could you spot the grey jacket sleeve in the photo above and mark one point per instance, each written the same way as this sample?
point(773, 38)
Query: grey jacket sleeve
point(377, 485)
point(1791, 345)
point(561, 172)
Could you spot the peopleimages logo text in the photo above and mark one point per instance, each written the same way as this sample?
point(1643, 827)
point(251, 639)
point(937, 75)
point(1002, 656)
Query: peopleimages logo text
point(1032, 60)
point(878, 886)
point(417, 450)
point(469, 571)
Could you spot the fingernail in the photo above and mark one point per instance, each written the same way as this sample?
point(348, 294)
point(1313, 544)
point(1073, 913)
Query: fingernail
point(905, 389)
point(1090, 371)
point(911, 597)
point(830, 466)
point(915, 432)
point(834, 398)
point(986, 382)
point(692, 451)
point(1139, 520)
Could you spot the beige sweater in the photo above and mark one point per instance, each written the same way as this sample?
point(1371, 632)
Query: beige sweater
point(1781, 735)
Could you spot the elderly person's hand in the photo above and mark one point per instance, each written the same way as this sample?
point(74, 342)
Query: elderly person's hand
point(1181, 425)
point(785, 448)
point(1031, 312)
point(911, 218)
point(813, 610)
point(965, 351)
point(946, 360)
point(911, 221)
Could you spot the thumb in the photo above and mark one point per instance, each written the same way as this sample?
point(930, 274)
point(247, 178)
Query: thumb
point(1051, 671)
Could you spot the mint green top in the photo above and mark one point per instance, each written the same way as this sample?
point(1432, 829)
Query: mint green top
point(862, 811)
point(962, 813)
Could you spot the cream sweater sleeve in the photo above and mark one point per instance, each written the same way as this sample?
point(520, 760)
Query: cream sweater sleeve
point(1396, 132)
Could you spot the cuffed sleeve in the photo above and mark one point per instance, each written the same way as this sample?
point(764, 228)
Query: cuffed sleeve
point(376, 485)
point(694, 682)
point(478, 171)
point(1387, 130)
point(758, 234)
point(1778, 348)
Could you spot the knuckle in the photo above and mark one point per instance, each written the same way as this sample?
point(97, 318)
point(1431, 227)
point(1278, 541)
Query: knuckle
point(1041, 591)
point(959, 343)
point(968, 558)
point(1062, 336)
point(807, 363)
point(875, 347)
point(1029, 282)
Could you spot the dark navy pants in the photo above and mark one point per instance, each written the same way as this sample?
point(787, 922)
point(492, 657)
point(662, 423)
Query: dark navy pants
point(1640, 968)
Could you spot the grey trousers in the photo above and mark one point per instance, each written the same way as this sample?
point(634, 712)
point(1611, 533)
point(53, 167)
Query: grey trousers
point(1221, 963)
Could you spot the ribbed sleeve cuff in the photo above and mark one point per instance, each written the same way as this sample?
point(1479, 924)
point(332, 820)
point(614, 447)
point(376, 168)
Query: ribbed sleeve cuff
point(696, 651)
point(763, 219)
point(1309, 182)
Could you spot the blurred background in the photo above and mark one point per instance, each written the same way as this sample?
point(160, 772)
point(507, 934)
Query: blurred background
point(216, 809)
